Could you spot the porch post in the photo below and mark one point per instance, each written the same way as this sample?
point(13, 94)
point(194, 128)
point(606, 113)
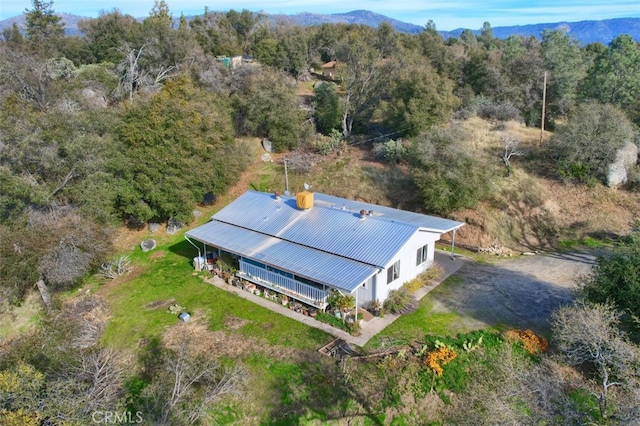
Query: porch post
point(356, 315)
point(453, 242)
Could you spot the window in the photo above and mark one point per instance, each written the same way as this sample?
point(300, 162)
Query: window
point(421, 255)
point(393, 273)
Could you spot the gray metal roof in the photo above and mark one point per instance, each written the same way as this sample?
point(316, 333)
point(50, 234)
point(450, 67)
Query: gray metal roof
point(307, 262)
point(429, 223)
point(372, 240)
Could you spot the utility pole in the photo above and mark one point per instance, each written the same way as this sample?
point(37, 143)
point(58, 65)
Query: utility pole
point(286, 179)
point(544, 105)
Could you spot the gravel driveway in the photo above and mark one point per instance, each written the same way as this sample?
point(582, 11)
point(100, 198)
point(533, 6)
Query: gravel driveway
point(518, 292)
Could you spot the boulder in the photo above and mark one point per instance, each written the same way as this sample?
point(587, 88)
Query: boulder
point(173, 226)
point(148, 244)
point(267, 145)
point(94, 98)
point(153, 226)
point(626, 158)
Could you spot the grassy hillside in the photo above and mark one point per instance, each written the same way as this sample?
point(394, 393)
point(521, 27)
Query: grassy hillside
point(527, 211)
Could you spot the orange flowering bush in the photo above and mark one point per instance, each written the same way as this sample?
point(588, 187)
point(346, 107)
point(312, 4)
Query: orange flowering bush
point(533, 343)
point(528, 339)
point(439, 357)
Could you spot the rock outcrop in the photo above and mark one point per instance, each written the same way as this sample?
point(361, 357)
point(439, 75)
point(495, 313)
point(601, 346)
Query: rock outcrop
point(626, 158)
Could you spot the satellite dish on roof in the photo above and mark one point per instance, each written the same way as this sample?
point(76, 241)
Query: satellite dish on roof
point(307, 187)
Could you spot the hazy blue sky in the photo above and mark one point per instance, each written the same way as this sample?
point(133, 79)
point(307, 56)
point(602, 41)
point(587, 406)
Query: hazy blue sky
point(447, 15)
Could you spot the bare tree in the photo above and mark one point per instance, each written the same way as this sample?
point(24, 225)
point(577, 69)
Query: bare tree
point(70, 245)
point(360, 71)
point(104, 375)
point(589, 335)
point(31, 77)
point(493, 396)
point(185, 387)
point(131, 72)
point(514, 390)
point(510, 150)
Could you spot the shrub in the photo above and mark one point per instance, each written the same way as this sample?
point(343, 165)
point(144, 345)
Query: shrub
point(615, 277)
point(425, 278)
point(528, 340)
point(328, 108)
point(342, 302)
point(501, 111)
point(400, 302)
point(447, 175)
point(327, 144)
point(115, 267)
point(439, 357)
point(349, 327)
point(391, 151)
point(413, 285)
point(588, 142)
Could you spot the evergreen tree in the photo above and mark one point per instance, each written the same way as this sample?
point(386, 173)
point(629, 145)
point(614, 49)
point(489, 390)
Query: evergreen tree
point(615, 77)
point(43, 28)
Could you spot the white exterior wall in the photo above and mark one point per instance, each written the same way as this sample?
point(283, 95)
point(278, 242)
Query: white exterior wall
point(366, 292)
point(408, 268)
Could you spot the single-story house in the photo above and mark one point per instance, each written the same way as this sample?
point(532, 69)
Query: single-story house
point(308, 244)
point(329, 69)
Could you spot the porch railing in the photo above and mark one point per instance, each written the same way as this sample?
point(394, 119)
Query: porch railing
point(285, 285)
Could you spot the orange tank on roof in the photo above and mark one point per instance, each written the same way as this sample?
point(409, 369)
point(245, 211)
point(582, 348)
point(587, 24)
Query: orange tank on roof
point(304, 200)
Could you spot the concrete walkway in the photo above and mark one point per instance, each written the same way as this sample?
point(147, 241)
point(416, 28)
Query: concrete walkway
point(369, 328)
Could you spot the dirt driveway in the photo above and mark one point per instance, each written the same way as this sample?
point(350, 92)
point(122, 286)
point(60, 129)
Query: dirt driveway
point(518, 292)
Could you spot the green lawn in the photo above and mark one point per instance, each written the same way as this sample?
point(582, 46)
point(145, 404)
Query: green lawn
point(290, 383)
point(424, 321)
point(166, 273)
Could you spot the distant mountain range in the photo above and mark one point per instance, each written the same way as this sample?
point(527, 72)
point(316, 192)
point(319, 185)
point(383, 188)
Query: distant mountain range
point(584, 31)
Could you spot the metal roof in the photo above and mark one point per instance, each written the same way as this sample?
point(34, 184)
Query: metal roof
point(429, 223)
point(373, 240)
point(316, 265)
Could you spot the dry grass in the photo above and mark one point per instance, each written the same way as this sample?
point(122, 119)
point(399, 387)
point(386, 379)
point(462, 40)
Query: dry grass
point(532, 209)
point(21, 319)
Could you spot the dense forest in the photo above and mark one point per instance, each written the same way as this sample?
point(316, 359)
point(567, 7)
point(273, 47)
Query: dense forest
point(137, 122)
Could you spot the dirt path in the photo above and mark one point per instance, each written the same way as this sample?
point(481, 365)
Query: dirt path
point(516, 293)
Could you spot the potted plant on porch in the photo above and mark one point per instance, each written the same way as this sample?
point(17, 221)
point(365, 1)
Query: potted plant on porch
point(376, 306)
point(284, 299)
point(342, 302)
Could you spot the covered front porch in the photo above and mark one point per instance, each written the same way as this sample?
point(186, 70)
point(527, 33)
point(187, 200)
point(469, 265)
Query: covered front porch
point(281, 282)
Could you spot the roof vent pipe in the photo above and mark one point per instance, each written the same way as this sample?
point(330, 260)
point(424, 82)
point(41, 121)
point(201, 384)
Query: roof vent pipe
point(363, 214)
point(277, 195)
point(370, 212)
